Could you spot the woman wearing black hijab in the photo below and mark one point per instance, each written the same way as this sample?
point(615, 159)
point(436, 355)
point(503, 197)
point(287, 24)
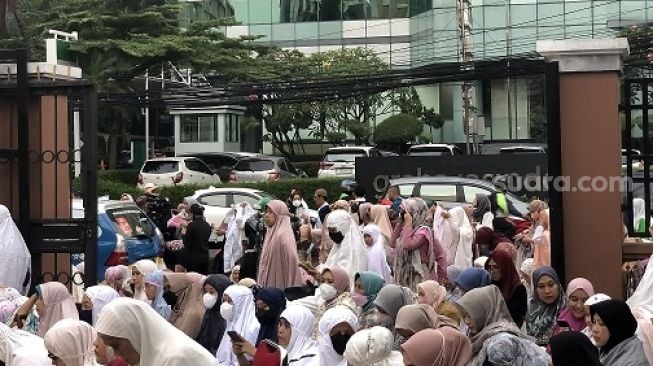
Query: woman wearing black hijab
point(196, 242)
point(270, 303)
point(213, 325)
point(613, 329)
point(573, 349)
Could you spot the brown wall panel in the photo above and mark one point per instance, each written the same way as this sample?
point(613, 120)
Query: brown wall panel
point(48, 165)
point(35, 149)
point(63, 150)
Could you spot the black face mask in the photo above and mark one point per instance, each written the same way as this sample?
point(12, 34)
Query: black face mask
point(170, 298)
point(336, 236)
point(264, 316)
point(339, 342)
point(86, 316)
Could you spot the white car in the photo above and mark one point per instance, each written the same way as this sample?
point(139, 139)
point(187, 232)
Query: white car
point(341, 161)
point(434, 150)
point(176, 171)
point(217, 201)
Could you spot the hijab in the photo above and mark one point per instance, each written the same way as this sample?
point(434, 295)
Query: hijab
point(487, 236)
point(482, 207)
point(508, 349)
point(244, 322)
point(21, 348)
point(438, 347)
point(541, 318)
point(509, 277)
point(188, 311)
point(145, 267)
point(351, 253)
point(331, 318)
point(573, 349)
point(434, 293)
point(473, 277)
point(372, 284)
point(463, 236)
point(487, 309)
point(302, 350)
point(372, 347)
point(72, 341)
point(115, 276)
point(59, 305)
point(576, 324)
point(453, 271)
point(392, 297)
point(213, 325)
point(444, 233)
point(279, 263)
point(158, 303)
point(641, 303)
point(618, 318)
point(341, 280)
point(157, 342)
point(269, 320)
point(417, 317)
point(376, 254)
point(15, 258)
point(365, 209)
point(381, 219)
point(100, 296)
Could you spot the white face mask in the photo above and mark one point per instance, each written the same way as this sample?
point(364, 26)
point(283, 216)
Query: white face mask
point(296, 203)
point(227, 311)
point(209, 300)
point(328, 292)
point(111, 355)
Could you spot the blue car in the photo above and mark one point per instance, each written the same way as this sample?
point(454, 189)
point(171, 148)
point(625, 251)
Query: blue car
point(125, 235)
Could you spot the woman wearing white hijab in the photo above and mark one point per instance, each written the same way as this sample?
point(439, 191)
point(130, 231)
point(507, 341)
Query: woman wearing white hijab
point(239, 310)
point(465, 234)
point(142, 338)
point(233, 248)
point(373, 347)
point(21, 348)
point(349, 249)
point(99, 296)
point(336, 328)
point(641, 304)
point(71, 343)
point(141, 269)
point(376, 252)
point(444, 232)
point(302, 350)
point(15, 259)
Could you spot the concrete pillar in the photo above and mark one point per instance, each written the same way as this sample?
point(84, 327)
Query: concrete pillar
point(591, 149)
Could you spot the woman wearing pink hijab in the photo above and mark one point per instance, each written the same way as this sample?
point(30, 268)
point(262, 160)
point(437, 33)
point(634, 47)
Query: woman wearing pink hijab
point(437, 347)
point(578, 291)
point(279, 265)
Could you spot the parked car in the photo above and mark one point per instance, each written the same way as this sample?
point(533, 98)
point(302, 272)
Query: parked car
point(125, 234)
point(522, 149)
point(451, 191)
point(341, 161)
point(222, 163)
point(434, 150)
point(217, 201)
point(385, 153)
point(264, 168)
point(176, 171)
point(637, 160)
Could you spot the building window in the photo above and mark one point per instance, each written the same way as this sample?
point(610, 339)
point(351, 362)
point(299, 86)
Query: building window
point(232, 131)
point(199, 128)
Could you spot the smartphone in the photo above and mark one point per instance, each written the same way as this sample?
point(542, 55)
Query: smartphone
point(563, 324)
point(235, 337)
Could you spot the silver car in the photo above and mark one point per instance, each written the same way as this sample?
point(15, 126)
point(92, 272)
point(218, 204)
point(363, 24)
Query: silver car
point(264, 168)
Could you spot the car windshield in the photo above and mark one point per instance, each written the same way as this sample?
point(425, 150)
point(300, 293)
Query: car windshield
point(429, 151)
point(344, 156)
point(161, 167)
point(131, 222)
point(254, 165)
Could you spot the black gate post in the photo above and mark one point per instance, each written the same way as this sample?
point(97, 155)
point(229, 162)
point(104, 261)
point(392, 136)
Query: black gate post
point(22, 96)
point(89, 158)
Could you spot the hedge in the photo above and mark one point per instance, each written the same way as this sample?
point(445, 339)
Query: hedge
point(310, 167)
point(280, 189)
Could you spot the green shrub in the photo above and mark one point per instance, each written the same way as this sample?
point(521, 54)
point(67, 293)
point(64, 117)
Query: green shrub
point(398, 129)
point(125, 176)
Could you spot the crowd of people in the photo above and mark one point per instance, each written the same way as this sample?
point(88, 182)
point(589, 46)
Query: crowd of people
point(402, 282)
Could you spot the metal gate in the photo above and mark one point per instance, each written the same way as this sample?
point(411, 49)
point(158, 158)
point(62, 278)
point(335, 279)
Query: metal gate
point(43, 167)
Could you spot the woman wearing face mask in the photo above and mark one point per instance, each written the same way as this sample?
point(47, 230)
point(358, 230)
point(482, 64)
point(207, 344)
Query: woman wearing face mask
point(184, 294)
point(390, 299)
point(368, 285)
point(154, 283)
point(71, 343)
point(141, 269)
point(95, 298)
point(419, 257)
point(138, 334)
point(613, 328)
point(376, 252)
point(53, 303)
point(213, 325)
point(549, 300)
point(372, 347)
point(579, 290)
point(504, 276)
point(20, 348)
point(336, 327)
point(437, 347)
point(486, 316)
point(239, 310)
point(270, 303)
point(294, 334)
point(349, 248)
point(279, 264)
